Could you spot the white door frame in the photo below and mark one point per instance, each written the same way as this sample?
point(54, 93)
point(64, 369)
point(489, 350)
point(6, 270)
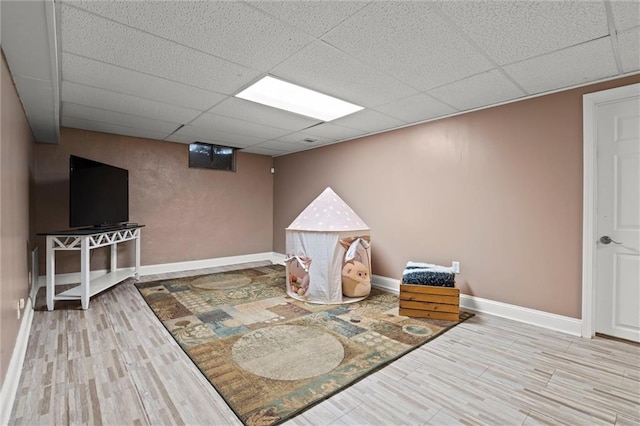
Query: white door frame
point(590, 102)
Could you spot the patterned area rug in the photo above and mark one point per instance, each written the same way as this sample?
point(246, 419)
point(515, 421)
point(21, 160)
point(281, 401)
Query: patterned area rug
point(272, 357)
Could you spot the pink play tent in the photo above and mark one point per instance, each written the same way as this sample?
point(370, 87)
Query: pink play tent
point(328, 253)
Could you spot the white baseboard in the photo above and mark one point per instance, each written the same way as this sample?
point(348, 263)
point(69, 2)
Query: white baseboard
point(74, 277)
point(542, 319)
point(205, 263)
point(387, 284)
point(12, 379)
point(278, 258)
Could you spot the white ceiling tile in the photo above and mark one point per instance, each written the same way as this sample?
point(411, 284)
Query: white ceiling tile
point(104, 99)
point(232, 125)
point(575, 65)
point(311, 16)
point(328, 70)
point(188, 134)
point(416, 108)
point(279, 146)
point(409, 41)
point(228, 29)
point(117, 118)
point(369, 121)
point(96, 126)
point(106, 76)
point(629, 48)
point(257, 149)
point(626, 14)
point(299, 138)
point(328, 143)
point(261, 114)
point(488, 88)
point(511, 31)
point(333, 131)
point(182, 139)
point(88, 35)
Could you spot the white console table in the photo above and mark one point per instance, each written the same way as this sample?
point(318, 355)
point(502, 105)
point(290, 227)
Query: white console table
point(86, 240)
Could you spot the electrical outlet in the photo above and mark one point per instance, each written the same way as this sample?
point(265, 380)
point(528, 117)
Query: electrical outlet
point(456, 267)
point(21, 303)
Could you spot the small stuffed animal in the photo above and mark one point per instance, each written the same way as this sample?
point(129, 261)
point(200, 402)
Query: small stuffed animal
point(355, 279)
point(299, 286)
point(304, 285)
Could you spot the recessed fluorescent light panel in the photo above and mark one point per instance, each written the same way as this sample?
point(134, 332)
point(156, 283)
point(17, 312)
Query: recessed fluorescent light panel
point(289, 97)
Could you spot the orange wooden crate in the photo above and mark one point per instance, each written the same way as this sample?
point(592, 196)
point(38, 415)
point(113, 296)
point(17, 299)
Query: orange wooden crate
point(424, 301)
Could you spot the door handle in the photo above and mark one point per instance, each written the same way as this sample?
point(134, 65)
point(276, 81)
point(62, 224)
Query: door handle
point(605, 239)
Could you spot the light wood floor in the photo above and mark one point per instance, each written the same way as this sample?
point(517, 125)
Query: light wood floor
point(115, 364)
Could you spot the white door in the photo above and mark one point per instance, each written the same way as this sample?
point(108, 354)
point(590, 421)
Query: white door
point(617, 288)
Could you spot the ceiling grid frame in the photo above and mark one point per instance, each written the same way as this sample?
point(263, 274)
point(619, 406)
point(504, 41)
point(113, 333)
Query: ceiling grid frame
point(553, 57)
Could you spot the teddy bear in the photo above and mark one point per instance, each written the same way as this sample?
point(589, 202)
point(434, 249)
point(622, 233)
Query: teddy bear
point(355, 279)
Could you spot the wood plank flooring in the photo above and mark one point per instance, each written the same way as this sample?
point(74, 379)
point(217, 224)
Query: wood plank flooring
point(114, 364)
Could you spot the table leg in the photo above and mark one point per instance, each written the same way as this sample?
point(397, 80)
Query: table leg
point(51, 272)
point(114, 257)
point(137, 254)
point(85, 280)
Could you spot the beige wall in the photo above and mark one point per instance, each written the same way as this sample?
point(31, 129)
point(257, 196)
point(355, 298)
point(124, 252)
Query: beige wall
point(190, 214)
point(16, 153)
point(499, 190)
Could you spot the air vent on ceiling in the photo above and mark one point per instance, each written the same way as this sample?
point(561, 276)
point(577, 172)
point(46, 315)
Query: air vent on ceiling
point(309, 140)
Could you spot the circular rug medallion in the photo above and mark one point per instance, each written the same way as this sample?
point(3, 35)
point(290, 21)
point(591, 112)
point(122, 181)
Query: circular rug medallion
point(220, 281)
point(417, 330)
point(288, 352)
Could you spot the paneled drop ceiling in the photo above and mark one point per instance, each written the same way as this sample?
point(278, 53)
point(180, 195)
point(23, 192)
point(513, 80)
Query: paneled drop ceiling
point(168, 70)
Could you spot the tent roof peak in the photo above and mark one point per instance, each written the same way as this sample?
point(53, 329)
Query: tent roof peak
point(328, 213)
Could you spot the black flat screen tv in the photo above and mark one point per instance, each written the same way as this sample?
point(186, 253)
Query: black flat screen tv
point(98, 194)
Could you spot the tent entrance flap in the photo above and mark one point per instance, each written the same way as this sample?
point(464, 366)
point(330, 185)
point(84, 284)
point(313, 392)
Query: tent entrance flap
point(297, 270)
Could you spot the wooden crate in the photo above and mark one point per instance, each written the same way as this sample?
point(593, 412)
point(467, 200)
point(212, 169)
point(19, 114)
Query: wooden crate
point(423, 301)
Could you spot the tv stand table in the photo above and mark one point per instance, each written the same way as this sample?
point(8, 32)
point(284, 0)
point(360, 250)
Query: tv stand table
point(86, 240)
